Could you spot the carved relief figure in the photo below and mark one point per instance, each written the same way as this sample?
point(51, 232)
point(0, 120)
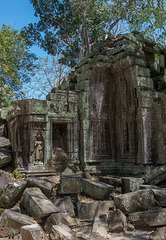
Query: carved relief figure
point(39, 149)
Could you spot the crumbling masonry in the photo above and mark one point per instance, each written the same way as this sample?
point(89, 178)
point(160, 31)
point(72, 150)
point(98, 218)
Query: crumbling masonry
point(108, 116)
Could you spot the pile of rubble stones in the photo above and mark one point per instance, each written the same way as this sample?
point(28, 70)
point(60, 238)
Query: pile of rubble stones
point(69, 207)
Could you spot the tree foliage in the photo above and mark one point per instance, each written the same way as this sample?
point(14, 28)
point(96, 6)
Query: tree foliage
point(47, 75)
point(15, 63)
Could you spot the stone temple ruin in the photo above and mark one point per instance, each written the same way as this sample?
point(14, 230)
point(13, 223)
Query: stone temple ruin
point(109, 114)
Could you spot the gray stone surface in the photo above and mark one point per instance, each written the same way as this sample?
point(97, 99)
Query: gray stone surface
point(96, 189)
point(134, 201)
point(64, 205)
point(61, 233)
point(70, 184)
point(5, 178)
point(151, 218)
point(44, 185)
point(32, 232)
point(100, 226)
point(130, 184)
point(5, 157)
point(89, 210)
point(60, 219)
point(14, 219)
point(114, 181)
point(159, 234)
point(11, 193)
point(4, 142)
point(37, 204)
point(160, 197)
point(116, 221)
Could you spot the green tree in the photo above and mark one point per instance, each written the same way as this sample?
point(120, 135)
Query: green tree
point(15, 63)
point(72, 28)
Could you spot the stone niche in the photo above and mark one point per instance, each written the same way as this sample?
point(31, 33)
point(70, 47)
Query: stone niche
point(44, 134)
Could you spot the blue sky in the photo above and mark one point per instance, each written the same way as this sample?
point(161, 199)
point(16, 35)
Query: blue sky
point(18, 13)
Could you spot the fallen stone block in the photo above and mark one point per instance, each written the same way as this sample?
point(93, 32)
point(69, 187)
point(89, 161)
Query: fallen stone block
point(61, 233)
point(151, 218)
point(100, 226)
point(5, 157)
point(89, 210)
point(96, 189)
point(114, 181)
point(116, 221)
point(11, 193)
point(159, 234)
point(70, 184)
point(130, 184)
point(14, 219)
point(37, 204)
point(60, 219)
point(4, 142)
point(135, 201)
point(160, 197)
point(5, 178)
point(64, 205)
point(32, 232)
point(44, 185)
point(149, 187)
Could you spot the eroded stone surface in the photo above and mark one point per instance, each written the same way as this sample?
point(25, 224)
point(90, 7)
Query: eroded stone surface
point(32, 232)
point(160, 197)
point(64, 205)
point(14, 219)
point(134, 201)
point(70, 184)
point(159, 234)
point(117, 221)
point(96, 189)
point(37, 204)
point(5, 157)
point(61, 232)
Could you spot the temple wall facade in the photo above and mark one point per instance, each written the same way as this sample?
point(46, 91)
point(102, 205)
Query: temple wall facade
point(108, 116)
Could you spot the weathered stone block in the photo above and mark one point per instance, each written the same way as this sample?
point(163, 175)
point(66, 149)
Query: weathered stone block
point(5, 178)
point(64, 205)
point(151, 218)
point(160, 197)
point(114, 181)
point(5, 157)
point(61, 233)
point(89, 210)
point(37, 204)
point(100, 226)
point(159, 234)
point(134, 201)
point(4, 142)
point(116, 221)
point(44, 185)
point(130, 184)
point(32, 232)
point(70, 184)
point(60, 219)
point(12, 192)
point(96, 189)
point(14, 219)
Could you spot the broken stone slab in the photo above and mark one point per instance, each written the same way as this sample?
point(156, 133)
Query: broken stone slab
point(10, 194)
point(130, 184)
point(4, 142)
point(61, 233)
point(135, 201)
point(5, 157)
point(37, 204)
point(14, 219)
point(96, 189)
point(116, 221)
point(114, 181)
point(64, 205)
point(45, 186)
point(158, 234)
point(32, 232)
point(160, 197)
point(89, 210)
point(60, 219)
point(70, 184)
point(100, 226)
point(5, 178)
point(149, 187)
point(151, 218)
